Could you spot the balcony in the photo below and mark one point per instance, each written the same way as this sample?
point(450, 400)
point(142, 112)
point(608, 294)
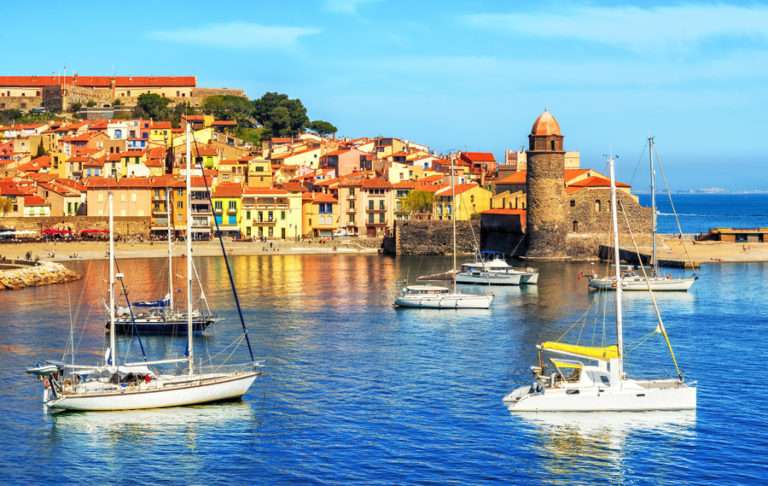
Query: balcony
point(201, 222)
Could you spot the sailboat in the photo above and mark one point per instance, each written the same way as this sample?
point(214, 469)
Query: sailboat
point(591, 378)
point(159, 317)
point(439, 297)
point(113, 385)
point(632, 280)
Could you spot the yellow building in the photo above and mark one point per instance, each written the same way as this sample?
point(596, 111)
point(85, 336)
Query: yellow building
point(226, 208)
point(259, 173)
point(320, 214)
point(161, 134)
point(271, 214)
point(508, 200)
point(470, 200)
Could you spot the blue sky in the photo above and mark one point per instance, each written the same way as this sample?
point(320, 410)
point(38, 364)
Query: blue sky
point(458, 74)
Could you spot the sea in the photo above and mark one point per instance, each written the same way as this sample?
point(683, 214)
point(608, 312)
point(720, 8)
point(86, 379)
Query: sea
point(697, 213)
point(355, 391)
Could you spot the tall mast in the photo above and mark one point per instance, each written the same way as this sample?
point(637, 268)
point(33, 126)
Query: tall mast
point(615, 223)
point(453, 220)
point(190, 344)
point(112, 345)
point(653, 206)
point(170, 247)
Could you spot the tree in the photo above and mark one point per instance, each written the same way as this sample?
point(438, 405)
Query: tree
point(151, 105)
point(229, 107)
point(75, 107)
point(10, 116)
point(179, 110)
point(5, 205)
point(117, 102)
point(322, 127)
point(90, 104)
point(280, 115)
point(418, 202)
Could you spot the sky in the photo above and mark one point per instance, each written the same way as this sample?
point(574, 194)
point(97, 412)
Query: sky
point(454, 74)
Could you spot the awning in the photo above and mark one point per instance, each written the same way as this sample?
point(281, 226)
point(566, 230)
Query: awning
point(592, 352)
point(566, 364)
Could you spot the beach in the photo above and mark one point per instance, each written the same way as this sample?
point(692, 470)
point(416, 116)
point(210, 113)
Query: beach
point(702, 252)
point(63, 251)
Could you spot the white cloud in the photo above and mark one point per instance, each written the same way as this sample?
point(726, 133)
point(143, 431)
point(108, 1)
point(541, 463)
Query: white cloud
point(634, 28)
point(346, 6)
point(239, 35)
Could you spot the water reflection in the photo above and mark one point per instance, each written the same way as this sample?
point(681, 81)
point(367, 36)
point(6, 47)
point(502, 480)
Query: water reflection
point(596, 443)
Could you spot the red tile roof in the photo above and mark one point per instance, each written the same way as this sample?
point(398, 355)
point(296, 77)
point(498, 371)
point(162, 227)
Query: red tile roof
point(228, 189)
point(256, 191)
point(405, 185)
point(376, 183)
point(460, 188)
point(161, 125)
point(34, 201)
point(478, 156)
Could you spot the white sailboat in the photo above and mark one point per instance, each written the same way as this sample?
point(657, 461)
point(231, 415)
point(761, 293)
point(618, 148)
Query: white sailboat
point(438, 297)
point(592, 379)
point(631, 280)
point(131, 386)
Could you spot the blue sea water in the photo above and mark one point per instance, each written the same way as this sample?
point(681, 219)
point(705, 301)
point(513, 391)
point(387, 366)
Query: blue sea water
point(700, 212)
point(355, 391)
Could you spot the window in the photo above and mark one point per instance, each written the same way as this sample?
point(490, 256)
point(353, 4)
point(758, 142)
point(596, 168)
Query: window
point(271, 232)
point(248, 217)
point(381, 218)
point(381, 205)
point(270, 217)
point(282, 215)
point(370, 218)
point(370, 204)
point(217, 205)
point(597, 206)
point(573, 203)
point(232, 205)
point(575, 226)
point(552, 145)
point(179, 204)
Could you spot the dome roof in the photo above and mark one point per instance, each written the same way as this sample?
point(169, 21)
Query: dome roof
point(545, 125)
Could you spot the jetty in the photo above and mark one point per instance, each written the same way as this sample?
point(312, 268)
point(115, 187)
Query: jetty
point(20, 274)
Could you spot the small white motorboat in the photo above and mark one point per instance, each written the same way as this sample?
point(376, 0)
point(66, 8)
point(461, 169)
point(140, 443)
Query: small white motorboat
point(495, 272)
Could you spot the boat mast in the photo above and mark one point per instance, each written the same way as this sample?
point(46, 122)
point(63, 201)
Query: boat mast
point(190, 344)
point(653, 206)
point(170, 247)
point(615, 223)
point(453, 220)
point(112, 344)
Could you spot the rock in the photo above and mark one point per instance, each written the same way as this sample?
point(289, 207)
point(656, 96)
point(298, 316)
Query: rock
point(35, 275)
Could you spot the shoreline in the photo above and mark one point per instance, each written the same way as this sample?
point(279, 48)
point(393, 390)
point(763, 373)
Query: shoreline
point(74, 251)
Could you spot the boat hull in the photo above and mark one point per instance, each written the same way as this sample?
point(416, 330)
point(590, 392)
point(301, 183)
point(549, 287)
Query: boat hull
point(444, 301)
point(205, 389)
point(171, 327)
point(638, 285)
point(488, 278)
point(654, 395)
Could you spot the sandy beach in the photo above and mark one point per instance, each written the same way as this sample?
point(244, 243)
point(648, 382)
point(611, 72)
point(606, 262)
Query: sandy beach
point(95, 250)
point(703, 252)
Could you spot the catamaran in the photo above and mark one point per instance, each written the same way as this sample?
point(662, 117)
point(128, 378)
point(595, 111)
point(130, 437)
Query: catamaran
point(495, 271)
point(438, 297)
point(113, 385)
point(592, 378)
point(632, 280)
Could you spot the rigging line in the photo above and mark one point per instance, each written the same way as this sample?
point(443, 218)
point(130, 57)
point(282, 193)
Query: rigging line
point(637, 165)
point(661, 326)
point(224, 252)
point(672, 205)
point(640, 341)
point(580, 320)
point(130, 310)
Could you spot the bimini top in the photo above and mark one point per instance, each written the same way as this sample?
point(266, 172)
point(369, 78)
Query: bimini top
point(603, 353)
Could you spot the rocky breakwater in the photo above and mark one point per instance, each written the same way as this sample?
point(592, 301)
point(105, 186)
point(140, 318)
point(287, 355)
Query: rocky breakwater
point(436, 237)
point(15, 274)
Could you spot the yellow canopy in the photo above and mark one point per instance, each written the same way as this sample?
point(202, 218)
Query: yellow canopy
point(566, 364)
point(592, 352)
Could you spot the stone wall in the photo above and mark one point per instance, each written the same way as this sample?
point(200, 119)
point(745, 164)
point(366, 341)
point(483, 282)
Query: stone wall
point(20, 102)
point(546, 226)
point(124, 226)
point(436, 237)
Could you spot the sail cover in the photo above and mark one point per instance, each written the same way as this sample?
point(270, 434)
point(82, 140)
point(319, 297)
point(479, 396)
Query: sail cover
point(592, 352)
point(164, 302)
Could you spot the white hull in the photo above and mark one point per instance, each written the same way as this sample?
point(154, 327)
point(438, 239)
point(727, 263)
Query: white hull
point(630, 396)
point(163, 392)
point(444, 301)
point(658, 284)
point(488, 278)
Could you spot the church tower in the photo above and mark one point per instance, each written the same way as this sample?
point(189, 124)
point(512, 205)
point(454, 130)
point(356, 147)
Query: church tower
point(546, 227)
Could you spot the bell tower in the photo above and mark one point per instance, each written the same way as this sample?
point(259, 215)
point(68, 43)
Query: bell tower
point(546, 227)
